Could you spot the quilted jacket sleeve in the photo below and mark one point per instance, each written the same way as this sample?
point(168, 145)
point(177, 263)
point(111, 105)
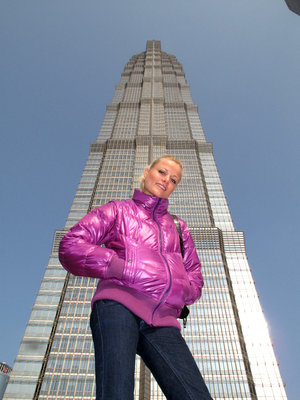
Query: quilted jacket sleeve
point(80, 252)
point(192, 264)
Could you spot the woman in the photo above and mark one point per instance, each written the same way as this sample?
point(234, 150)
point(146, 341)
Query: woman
point(144, 283)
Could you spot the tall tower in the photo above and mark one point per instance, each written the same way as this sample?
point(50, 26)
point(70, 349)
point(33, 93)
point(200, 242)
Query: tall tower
point(152, 113)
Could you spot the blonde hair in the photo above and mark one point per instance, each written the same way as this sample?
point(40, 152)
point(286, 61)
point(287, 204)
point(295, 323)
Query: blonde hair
point(167, 157)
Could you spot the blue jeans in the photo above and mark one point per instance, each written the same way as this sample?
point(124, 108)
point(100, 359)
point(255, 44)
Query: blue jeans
point(119, 335)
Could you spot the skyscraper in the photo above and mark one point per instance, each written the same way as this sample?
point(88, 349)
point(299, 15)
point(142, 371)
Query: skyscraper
point(152, 113)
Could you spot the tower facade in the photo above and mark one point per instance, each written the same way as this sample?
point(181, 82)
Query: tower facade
point(152, 113)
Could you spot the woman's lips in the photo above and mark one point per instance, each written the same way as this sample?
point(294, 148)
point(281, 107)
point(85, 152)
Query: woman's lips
point(161, 186)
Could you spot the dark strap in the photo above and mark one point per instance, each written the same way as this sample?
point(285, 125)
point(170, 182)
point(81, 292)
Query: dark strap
point(178, 227)
point(185, 311)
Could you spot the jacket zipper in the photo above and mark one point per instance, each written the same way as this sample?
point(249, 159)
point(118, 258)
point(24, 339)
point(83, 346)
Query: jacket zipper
point(166, 262)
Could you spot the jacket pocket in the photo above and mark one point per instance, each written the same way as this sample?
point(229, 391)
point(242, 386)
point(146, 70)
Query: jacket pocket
point(178, 293)
point(130, 265)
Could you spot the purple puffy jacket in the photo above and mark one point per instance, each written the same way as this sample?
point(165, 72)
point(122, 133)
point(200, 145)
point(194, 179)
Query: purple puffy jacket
point(141, 265)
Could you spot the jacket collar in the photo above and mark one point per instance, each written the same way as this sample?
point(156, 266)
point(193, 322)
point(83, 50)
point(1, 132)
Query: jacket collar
point(151, 203)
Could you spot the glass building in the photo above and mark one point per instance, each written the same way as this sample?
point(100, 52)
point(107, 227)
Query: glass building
point(5, 371)
point(152, 113)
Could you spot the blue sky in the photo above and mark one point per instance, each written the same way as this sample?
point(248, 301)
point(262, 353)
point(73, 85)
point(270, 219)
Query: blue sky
point(60, 62)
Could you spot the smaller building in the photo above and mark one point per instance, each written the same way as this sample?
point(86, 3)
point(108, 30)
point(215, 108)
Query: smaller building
point(5, 371)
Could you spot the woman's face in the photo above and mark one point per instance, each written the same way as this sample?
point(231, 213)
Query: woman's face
point(162, 179)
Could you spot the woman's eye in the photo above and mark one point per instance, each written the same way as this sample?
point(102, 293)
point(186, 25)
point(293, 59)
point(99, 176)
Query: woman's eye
point(161, 172)
point(173, 181)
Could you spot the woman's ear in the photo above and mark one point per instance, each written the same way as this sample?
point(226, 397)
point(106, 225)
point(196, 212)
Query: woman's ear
point(146, 172)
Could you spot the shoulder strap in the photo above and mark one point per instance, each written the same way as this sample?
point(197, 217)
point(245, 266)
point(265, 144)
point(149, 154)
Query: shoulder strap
point(176, 220)
point(185, 311)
